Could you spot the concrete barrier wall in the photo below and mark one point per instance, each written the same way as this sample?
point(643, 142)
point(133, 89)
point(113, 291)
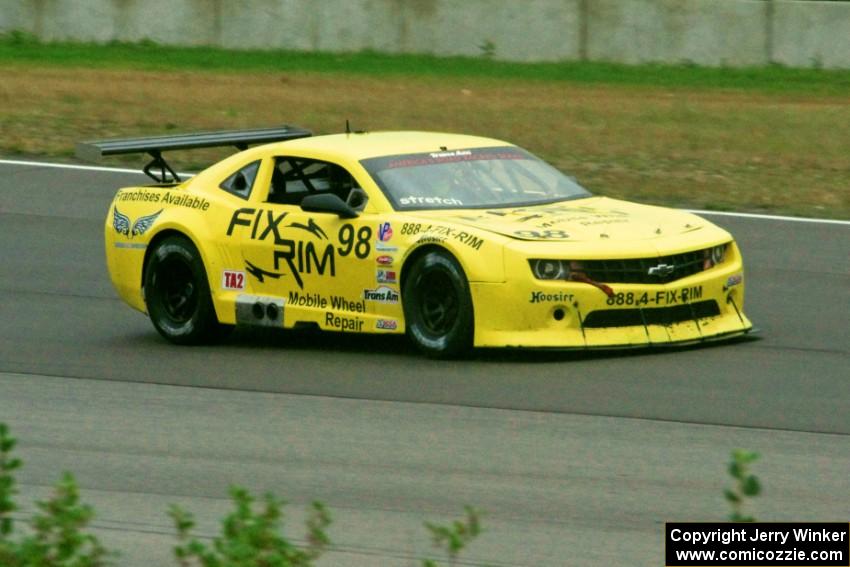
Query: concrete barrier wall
point(707, 32)
point(811, 34)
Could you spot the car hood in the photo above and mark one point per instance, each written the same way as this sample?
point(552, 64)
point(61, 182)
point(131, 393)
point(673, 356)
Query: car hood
point(585, 219)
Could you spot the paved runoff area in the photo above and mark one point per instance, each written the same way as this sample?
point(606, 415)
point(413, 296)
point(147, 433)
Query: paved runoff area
point(575, 459)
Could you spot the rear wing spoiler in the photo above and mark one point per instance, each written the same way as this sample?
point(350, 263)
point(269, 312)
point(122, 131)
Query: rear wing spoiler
point(159, 170)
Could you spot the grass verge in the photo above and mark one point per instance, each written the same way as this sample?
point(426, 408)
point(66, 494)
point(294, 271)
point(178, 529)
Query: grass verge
point(767, 140)
point(17, 48)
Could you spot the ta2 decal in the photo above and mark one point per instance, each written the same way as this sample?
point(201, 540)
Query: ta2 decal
point(233, 280)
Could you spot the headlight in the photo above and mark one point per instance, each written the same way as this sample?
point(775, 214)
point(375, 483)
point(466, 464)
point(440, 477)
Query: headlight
point(715, 255)
point(550, 269)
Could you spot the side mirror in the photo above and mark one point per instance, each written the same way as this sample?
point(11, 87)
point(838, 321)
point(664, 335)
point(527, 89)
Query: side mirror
point(327, 203)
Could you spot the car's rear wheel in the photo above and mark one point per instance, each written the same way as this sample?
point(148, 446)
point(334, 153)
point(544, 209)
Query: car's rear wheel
point(178, 295)
point(438, 306)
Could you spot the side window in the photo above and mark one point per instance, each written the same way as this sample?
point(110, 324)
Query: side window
point(241, 182)
point(295, 178)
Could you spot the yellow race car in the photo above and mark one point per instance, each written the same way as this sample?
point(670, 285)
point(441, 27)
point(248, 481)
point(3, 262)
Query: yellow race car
point(458, 241)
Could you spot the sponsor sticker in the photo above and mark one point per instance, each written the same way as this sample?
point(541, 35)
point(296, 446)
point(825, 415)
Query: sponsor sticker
point(233, 279)
point(659, 298)
point(381, 247)
point(384, 260)
point(386, 324)
point(381, 294)
point(386, 276)
point(441, 232)
point(122, 224)
point(385, 231)
point(732, 281)
point(444, 201)
point(550, 297)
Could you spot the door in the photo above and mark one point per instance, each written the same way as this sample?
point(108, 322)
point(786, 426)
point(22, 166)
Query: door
point(321, 266)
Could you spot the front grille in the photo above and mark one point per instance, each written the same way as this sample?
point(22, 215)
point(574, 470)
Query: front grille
point(637, 270)
point(650, 316)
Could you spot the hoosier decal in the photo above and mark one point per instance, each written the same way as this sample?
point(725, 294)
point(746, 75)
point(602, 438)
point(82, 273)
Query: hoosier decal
point(550, 297)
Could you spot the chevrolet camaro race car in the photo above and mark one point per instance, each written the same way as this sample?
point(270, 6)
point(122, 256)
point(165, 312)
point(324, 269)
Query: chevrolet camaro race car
point(457, 241)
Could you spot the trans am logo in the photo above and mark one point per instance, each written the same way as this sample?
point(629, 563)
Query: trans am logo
point(381, 294)
point(121, 223)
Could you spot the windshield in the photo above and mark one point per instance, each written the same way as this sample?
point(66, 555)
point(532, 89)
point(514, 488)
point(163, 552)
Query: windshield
point(471, 178)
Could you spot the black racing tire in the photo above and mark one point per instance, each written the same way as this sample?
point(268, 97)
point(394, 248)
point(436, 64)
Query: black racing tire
point(177, 294)
point(437, 305)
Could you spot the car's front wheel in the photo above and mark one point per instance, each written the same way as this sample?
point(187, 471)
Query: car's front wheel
point(438, 306)
point(178, 295)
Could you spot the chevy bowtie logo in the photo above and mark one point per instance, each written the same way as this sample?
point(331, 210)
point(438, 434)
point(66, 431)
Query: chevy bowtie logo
point(661, 270)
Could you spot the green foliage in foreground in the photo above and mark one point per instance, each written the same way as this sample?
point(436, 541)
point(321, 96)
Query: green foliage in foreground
point(57, 537)
point(251, 538)
point(746, 485)
point(23, 49)
point(251, 535)
point(455, 537)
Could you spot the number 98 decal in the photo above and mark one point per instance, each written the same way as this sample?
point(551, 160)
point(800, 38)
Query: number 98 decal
point(358, 242)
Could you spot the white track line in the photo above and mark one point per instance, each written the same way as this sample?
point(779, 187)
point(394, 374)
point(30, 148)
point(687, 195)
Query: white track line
point(769, 217)
point(695, 211)
point(68, 166)
point(80, 167)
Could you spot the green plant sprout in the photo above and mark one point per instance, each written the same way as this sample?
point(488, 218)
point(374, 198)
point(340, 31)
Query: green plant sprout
point(455, 537)
point(251, 538)
point(57, 537)
point(746, 485)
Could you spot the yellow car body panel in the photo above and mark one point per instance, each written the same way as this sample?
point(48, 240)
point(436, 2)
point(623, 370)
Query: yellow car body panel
point(346, 274)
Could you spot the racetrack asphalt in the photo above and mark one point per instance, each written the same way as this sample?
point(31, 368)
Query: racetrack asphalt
point(570, 453)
